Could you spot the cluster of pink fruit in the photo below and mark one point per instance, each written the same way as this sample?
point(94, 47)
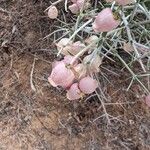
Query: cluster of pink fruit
point(72, 74)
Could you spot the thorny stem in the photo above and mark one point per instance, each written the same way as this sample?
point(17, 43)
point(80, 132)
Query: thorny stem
point(104, 109)
point(66, 1)
point(79, 16)
point(145, 11)
point(132, 73)
point(131, 39)
point(79, 29)
point(133, 13)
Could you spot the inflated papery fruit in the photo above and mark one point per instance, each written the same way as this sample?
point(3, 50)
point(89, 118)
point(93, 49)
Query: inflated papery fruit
point(92, 64)
point(61, 75)
point(105, 21)
point(76, 47)
point(147, 100)
point(74, 8)
point(68, 59)
point(74, 92)
point(81, 70)
point(92, 39)
point(66, 47)
point(63, 46)
point(55, 63)
point(121, 2)
point(83, 3)
point(88, 85)
point(53, 12)
point(77, 5)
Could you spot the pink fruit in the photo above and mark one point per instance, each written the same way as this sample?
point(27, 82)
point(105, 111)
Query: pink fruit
point(76, 47)
point(82, 3)
point(91, 39)
point(61, 76)
point(55, 63)
point(52, 12)
point(77, 6)
point(147, 100)
point(67, 47)
point(122, 2)
point(74, 92)
point(88, 85)
point(74, 8)
point(67, 60)
point(63, 46)
point(105, 21)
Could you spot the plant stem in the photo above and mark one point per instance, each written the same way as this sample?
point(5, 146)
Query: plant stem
point(132, 73)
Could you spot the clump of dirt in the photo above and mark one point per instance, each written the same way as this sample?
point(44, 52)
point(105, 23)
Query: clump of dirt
point(44, 118)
